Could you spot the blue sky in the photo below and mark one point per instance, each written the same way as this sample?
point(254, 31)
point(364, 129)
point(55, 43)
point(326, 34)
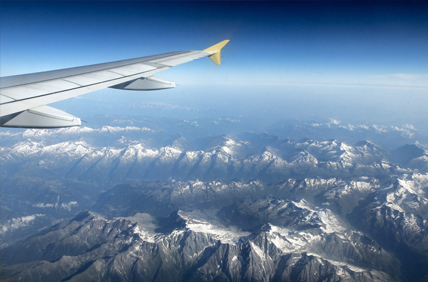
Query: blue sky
point(345, 51)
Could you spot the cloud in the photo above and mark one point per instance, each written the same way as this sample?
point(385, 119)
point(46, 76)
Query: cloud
point(67, 206)
point(334, 121)
point(77, 131)
point(162, 106)
point(409, 76)
point(402, 80)
point(407, 130)
point(18, 222)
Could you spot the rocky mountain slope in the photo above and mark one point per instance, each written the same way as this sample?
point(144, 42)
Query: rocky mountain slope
point(194, 230)
point(90, 247)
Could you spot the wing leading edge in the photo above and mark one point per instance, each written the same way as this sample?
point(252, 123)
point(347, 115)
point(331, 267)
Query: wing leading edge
point(23, 98)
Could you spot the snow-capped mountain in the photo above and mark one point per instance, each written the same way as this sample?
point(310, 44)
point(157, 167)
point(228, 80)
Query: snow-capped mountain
point(190, 225)
point(223, 158)
point(136, 203)
point(90, 247)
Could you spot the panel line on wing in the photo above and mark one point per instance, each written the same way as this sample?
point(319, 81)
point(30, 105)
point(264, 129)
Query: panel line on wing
point(112, 71)
point(65, 79)
point(8, 99)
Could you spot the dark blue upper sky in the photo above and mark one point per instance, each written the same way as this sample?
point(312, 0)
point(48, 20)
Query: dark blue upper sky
point(274, 45)
point(296, 37)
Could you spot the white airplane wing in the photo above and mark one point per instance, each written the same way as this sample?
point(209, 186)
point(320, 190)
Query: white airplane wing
point(23, 98)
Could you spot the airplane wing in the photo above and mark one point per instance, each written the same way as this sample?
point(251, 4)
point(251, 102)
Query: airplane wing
point(23, 98)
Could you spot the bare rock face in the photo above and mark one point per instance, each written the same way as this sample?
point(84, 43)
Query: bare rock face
point(270, 239)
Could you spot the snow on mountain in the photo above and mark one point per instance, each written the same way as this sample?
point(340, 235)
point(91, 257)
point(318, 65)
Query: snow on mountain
point(23, 149)
point(221, 158)
point(220, 207)
point(206, 222)
point(406, 196)
point(122, 248)
point(396, 215)
point(291, 215)
point(264, 230)
point(302, 158)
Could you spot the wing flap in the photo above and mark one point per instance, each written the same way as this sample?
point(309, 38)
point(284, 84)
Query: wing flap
point(41, 117)
point(147, 83)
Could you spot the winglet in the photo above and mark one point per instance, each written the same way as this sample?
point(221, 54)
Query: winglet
point(217, 50)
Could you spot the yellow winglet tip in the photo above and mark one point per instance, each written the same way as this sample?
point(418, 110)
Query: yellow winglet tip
point(216, 57)
point(217, 47)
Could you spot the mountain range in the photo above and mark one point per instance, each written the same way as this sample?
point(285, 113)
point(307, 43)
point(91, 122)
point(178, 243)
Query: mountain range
point(135, 203)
